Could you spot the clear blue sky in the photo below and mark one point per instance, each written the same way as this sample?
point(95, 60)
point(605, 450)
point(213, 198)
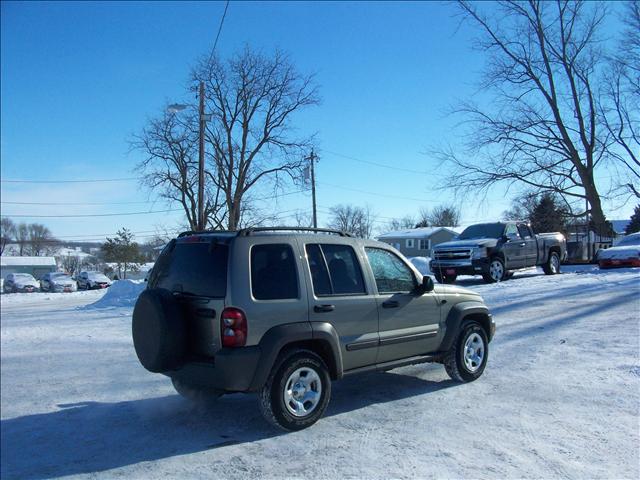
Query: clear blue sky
point(79, 78)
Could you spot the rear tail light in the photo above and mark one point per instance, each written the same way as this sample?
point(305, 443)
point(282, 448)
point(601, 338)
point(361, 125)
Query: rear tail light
point(233, 327)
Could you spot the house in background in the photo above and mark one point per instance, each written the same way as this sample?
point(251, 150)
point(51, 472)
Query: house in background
point(418, 242)
point(36, 266)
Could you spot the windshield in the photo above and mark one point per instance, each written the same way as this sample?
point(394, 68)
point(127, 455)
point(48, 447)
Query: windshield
point(60, 276)
point(23, 276)
point(96, 276)
point(629, 240)
point(483, 230)
point(196, 268)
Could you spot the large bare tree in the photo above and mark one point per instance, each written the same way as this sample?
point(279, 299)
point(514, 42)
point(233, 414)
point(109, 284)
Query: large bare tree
point(252, 98)
point(538, 127)
point(620, 105)
point(358, 221)
point(169, 144)
point(7, 233)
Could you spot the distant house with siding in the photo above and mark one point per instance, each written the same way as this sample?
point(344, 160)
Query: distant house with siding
point(36, 266)
point(419, 242)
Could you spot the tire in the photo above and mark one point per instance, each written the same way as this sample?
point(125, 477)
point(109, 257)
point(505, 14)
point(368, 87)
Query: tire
point(196, 394)
point(552, 265)
point(497, 272)
point(277, 409)
point(158, 331)
point(460, 363)
point(444, 278)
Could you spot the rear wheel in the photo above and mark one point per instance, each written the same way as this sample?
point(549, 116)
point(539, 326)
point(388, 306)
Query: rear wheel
point(466, 359)
point(552, 266)
point(297, 391)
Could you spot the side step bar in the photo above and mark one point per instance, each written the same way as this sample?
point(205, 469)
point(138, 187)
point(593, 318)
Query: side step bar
point(383, 367)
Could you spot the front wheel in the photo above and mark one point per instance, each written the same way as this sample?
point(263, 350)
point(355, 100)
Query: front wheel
point(297, 391)
point(497, 272)
point(552, 266)
point(467, 358)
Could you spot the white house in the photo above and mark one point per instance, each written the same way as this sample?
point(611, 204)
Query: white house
point(418, 242)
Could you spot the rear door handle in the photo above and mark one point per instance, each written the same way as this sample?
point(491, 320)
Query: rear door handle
point(324, 308)
point(390, 304)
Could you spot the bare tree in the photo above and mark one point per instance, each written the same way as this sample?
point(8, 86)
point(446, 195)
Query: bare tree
point(252, 99)
point(620, 106)
point(170, 167)
point(444, 216)
point(540, 128)
point(7, 233)
point(41, 241)
point(358, 221)
point(404, 223)
point(22, 239)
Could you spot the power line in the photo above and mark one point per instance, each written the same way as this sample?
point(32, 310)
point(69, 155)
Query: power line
point(215, 43)
point(377, 164)
point(378, 194)
point(126, 179)
point(94, 214)
point(78, 203)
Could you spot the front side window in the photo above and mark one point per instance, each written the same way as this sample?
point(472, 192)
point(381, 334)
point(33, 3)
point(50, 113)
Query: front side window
point(273, 272)
point(512, 232)
point(334, 270)
point(391, 274)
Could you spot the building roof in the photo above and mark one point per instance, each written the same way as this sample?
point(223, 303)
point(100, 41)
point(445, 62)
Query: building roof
point(7, 261)
point(423, 232)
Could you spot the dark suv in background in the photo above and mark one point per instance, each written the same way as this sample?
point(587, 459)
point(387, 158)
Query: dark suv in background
point(283, 312)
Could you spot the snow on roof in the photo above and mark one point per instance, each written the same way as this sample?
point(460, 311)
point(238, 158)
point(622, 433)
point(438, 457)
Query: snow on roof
point(422, 232)
point(619, 226)
point(27, 261)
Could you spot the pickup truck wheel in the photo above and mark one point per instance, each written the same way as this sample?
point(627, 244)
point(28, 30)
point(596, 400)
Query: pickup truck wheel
point(552, 266)
point(196, 394)
point(297, 391)
point(444, 278)
point(496, 273)
point(467, 358)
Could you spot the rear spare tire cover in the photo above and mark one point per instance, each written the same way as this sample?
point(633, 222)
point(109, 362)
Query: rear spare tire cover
point(158, 330)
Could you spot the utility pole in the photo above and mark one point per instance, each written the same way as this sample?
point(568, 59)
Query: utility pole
point(201, 117)
point(312, 159)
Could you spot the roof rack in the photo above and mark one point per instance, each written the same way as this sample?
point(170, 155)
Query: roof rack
point(191, 232)
point(248, 231)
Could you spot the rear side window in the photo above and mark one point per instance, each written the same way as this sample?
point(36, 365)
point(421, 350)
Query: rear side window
point(196, 268)
point(335, 270)
point(273, 272)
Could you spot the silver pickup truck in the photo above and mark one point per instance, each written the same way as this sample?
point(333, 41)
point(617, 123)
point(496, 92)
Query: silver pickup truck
point(495, 250)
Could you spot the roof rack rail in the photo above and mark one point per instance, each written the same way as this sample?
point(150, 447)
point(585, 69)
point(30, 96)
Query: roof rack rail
point(245, 232)
point(202, 232)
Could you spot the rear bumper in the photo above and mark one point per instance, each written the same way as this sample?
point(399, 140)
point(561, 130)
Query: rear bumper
point(469, 267)
point(232, 370)
point(619, 262)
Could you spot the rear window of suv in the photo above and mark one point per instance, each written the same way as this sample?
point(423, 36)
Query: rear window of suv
point(195, 268)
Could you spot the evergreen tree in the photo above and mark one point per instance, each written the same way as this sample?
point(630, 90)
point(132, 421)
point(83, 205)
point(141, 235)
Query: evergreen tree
point(547, 215)
point(122, 251)
point(634, 224)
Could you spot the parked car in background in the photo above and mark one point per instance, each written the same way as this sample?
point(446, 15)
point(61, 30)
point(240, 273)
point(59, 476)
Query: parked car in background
point(626, 253)
point(20, 282)
point(92, 280)
point(494, 250)
point(58, 282)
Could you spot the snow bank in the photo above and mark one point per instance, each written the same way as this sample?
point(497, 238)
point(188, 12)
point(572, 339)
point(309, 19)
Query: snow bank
point(422, 264)
point(122, 293)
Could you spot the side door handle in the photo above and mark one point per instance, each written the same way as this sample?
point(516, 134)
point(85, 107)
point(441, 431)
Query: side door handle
point(390, 304)
point(523, 244)
point(324, 308)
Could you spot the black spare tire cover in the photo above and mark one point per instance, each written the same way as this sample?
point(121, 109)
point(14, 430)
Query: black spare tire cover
point(158, 330)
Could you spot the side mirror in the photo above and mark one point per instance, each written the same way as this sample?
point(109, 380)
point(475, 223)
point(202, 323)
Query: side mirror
point(427, 284)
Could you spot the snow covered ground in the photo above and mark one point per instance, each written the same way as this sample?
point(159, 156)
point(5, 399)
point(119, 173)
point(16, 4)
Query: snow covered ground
point(560, 398)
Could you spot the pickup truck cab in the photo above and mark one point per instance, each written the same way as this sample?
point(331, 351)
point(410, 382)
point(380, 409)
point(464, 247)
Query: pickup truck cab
point(495, 250)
